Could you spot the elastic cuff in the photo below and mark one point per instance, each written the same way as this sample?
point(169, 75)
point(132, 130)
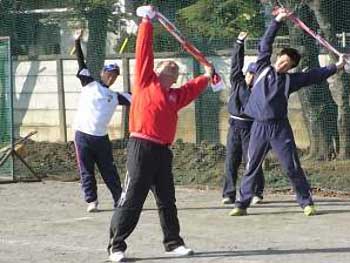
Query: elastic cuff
point(208, 77)
point(240, 205)
point(333, 67)
point(277, 20)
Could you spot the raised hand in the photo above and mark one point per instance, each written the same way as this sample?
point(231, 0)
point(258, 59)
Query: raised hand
point(146, 11)
point(281, 14)
point(78, 34)
point(341, 62)
point(209, 71)
point(242, 36)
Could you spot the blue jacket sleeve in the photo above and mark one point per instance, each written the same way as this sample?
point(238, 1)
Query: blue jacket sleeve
point(237, 80)
point(265, 45)
point(314, 76)
point(237, 62)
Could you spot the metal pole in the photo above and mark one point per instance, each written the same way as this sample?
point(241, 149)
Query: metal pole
point(197, 107)
point(126, 88)
point(11, 104)
point(61, 100)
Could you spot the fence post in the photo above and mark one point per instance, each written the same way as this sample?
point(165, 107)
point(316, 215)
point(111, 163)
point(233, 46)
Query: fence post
point(126, 88)
point(197, 106)
point(61, 100)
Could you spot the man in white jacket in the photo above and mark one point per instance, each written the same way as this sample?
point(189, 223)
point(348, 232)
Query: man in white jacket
point(97, 104)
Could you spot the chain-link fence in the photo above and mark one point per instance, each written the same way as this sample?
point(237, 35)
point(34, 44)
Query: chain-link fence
point(6, 135)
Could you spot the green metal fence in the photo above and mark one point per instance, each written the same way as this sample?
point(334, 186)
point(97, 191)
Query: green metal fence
point(6, 123)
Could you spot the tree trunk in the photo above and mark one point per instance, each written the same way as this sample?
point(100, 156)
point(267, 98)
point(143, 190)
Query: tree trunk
point(340, 91)
point(317, 103)
point(344, 118)
point(96, 46)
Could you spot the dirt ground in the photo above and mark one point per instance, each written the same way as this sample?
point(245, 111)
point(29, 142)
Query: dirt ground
point(47, 222)
point(194, 164)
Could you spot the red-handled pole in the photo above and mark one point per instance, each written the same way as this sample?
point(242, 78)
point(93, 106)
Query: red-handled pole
point(217, 83)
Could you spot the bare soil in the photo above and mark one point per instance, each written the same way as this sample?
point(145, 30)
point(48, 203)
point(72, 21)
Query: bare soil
point(197, 165)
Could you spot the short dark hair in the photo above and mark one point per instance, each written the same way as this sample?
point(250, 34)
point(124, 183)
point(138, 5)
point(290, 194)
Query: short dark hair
point(292, 53)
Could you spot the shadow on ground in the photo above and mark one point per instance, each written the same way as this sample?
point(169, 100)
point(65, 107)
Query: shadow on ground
point(267, 252)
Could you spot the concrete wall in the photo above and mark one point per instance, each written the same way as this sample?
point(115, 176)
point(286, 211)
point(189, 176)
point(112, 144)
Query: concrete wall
point(38, 105)
point(37, 99)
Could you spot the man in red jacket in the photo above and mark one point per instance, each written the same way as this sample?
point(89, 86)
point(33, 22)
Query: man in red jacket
point(153, 119)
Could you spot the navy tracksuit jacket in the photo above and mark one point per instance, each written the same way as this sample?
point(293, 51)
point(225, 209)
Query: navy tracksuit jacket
point(268, 106)
point(239, 129)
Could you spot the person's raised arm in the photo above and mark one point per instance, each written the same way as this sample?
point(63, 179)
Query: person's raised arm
point(266, 43)
point(193, 88)
point(144, 68)
point(314, 76)
point(78, 51)
point(83, 72)
point(237, 59)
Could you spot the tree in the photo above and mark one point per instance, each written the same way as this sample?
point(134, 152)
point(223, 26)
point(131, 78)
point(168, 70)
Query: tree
point(212, 25)
point(20, 22)
point(332, 19)
point(327, 109)
point(223, 19)
point(318, 106)
point(165, 42)
point(101, 16)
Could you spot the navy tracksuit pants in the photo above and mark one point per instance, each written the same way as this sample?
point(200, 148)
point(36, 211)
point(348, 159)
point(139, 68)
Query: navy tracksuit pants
point(278, 135)
point(91, 150)
point(149, 168)
point(236, 149)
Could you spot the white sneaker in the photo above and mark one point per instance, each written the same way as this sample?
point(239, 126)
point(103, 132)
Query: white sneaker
point(118, 256)
point(227, 201)
point(181, 251)
point(256, 200)
point(92, 207)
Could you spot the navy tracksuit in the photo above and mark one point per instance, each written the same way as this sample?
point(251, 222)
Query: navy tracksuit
point(97, 150)
point(268, 106)
point(240, 125)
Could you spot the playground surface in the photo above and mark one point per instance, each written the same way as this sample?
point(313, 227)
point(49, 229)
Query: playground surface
point(47, 222)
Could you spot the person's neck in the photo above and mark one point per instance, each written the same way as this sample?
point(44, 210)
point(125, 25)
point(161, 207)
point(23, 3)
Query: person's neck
point(104, 85)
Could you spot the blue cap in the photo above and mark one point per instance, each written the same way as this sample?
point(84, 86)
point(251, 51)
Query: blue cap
point(111, 68)
point(252, 68)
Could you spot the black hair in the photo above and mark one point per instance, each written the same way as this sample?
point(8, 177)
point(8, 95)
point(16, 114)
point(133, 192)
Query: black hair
point(292, 53)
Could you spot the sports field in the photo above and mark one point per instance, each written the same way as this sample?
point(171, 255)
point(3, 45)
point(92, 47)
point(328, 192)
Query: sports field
point(47, 222)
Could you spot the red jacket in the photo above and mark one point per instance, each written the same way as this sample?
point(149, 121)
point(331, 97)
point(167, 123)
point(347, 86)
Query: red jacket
point(153, 113)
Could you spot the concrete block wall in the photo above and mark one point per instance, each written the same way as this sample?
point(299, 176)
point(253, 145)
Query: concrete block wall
point(38, 105)
point(37, 91)
point(35, 99)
